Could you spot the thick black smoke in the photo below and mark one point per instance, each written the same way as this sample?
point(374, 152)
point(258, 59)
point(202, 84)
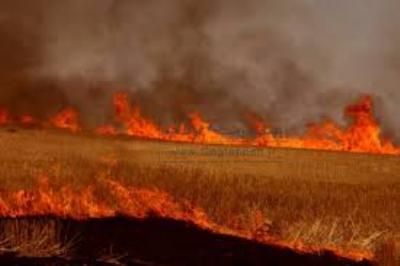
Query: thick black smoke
point(290, 62)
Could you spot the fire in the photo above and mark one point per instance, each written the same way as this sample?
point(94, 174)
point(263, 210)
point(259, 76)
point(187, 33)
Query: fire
point(257, 124)
point(362, 135)
point(135, 124)
point(204, 134)
point(4, 116)
point(119, 199)
point(106, 130)
point(67, 119)
point(84, 204)
point(27, 120)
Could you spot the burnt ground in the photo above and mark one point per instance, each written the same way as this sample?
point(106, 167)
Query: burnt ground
point(157, 241)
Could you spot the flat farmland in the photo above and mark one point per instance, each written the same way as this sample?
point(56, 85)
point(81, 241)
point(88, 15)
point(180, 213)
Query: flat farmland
point(325, 199)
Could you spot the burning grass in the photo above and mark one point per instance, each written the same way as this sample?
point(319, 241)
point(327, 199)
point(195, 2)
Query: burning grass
point(361, 135)
point(306, 199)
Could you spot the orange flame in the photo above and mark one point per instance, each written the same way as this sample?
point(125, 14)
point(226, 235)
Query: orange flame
point(106, 130)
point(257, 124)
point(67, 119)
point(85, 203)
point(27, 120)
point(4, 117)
point(204, 134)
point(362, 135)
point(136, 125)
point(134, 202)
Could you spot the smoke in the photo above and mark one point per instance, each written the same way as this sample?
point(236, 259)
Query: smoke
point(290, 62)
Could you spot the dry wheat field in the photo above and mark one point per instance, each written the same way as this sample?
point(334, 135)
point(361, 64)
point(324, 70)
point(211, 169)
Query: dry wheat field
point(347, 202)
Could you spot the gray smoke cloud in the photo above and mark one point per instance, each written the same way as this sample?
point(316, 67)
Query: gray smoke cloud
point(290, 62)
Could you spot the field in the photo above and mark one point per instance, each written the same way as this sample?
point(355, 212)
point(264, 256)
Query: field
point(307, 199)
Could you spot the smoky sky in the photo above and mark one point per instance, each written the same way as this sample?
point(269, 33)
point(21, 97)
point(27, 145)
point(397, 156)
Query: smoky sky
point(290, 62)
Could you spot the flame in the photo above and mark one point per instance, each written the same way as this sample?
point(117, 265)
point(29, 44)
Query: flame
point(27, 120)
point(138, 126)
point(67, 119)
point(106, 130)
point(84, 204)
point(4, 116)
point(135, 124)
point(257, 124)
point(118, 199)
point(362, 135)
point(204, 134)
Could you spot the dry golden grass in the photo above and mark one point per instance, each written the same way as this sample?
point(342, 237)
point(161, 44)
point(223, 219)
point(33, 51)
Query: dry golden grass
point(319, 198)
point(33, 238)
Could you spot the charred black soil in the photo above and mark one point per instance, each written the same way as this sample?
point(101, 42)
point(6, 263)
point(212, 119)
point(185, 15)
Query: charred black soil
point(157, 241)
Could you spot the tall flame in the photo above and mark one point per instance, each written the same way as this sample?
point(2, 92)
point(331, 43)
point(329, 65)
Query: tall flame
point(67, 119)
point(136, 125)
point(362, 135)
